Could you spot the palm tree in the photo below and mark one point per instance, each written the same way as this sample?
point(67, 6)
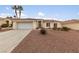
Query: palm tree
point(20, 8)
point(15, 8)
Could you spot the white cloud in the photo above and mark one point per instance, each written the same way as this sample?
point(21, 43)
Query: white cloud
point(78, 13)
point(5, 15)
point(7, 8)
point(48, 18)
point(23, 15)
point(41, 14)
point(37, 17)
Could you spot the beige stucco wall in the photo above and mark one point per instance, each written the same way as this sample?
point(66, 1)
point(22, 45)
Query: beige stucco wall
point(14, 25)
point(74, 26)
point(59, 25)
point(44, 25)
point(35, 24)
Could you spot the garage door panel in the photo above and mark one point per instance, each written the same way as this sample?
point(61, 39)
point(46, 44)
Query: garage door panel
point(24, 26)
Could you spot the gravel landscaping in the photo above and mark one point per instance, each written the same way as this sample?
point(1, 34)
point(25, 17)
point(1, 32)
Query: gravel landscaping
point(53, 41)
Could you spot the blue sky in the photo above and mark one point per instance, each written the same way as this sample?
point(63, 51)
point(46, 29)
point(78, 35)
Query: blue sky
point(61, 12)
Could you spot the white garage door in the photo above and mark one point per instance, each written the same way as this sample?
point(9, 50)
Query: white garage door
point(24, 26)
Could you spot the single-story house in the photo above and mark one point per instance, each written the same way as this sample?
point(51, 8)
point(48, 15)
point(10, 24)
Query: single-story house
point(35, 23)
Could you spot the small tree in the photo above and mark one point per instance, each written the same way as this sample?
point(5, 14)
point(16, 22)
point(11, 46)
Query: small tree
point(43, 31)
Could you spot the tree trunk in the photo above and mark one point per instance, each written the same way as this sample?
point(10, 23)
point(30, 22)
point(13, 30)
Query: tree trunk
point(19, 13)
point(16, 13)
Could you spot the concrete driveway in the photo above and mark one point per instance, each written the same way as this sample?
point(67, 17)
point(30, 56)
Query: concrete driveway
point(10, 39)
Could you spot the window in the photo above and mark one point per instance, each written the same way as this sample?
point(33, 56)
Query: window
point(47, 24)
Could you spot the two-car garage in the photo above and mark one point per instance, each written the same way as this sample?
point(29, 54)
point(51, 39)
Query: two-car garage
point(24, 25)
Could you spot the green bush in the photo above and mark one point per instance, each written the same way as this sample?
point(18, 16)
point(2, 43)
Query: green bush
point(4, 25)
point(59, 29)
point(37, 28)
point(65, 29)
point(43, 31)
point(54, 28)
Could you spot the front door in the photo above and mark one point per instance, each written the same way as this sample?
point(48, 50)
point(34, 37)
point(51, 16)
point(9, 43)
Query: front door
point(55, 25)
point(39, 24)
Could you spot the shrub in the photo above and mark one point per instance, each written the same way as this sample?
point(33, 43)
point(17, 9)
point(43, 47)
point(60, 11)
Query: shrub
point(37, 28)
point(55, 28)
point(65, 29)
point(4, 25)
point(59, 29)
point(43, 31)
